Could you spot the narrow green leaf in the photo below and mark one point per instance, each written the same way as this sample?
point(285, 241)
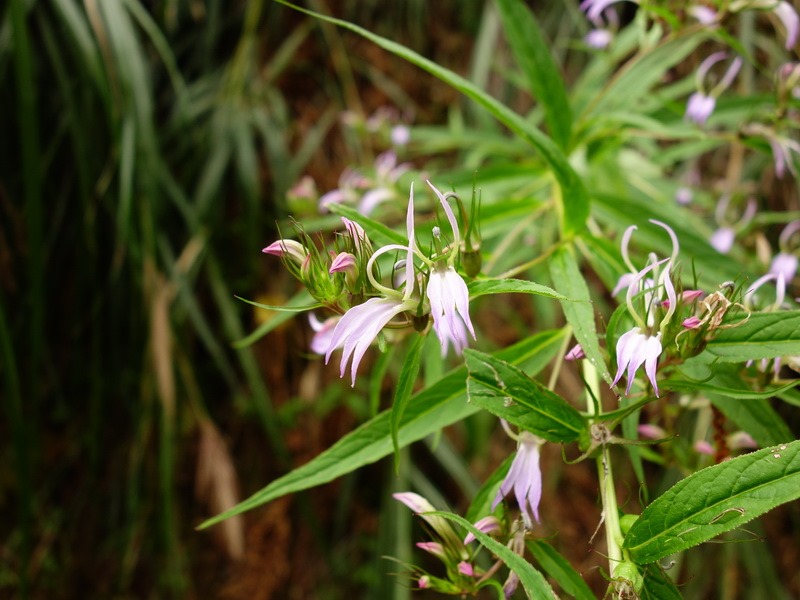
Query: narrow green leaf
point(714, 500)
point(428, 411)
point(284, 308)
point(402, 395)
point(482, 287)
point(657, 586)
point(558, 567)
point(576, 213)
point(578, 310)
point(639, 75)
point(286, 312)
point(506, 391)
point(533, 55)
point(533, 582)
point(763, 335)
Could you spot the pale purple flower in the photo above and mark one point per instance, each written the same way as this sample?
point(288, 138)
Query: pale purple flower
point(782, 149)
point(448, 294)
point(684, 196)
point(791, 22)
point(484, 525)
point(510, 585)
point(599, 39)
point(699, 107)
point(785, 265)
point(594, 8)
point(704, 14)
point(524, 478)
point(323, 333)
point(634, 349)
point(449, 300)
point(722, 239)
point(359, 326)
point(387, 172)
point(400, 135)
point(701, 104)
point(287, 248)
point(350, 182)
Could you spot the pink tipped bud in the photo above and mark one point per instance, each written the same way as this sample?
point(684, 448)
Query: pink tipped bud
point(466, 569)
point(703, 447)
point(651, 432)
point(287, 248)
point(434, 548)
point(485, 525)
point(415, 502)
point(344, 262)
point(691, 322)
point(575, 353)
point(424, 582)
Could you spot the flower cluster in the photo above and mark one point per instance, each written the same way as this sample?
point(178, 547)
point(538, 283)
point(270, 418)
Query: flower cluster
point(424, 286)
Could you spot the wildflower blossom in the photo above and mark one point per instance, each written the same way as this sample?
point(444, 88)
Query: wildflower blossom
point(594, 8)
point(701, 104)
point(791, 22)
point(448, 294)
point(642, 345)
point(359, 326)
point(323, 333)
point(722, 239)
point(350, 184)
point(575, 353)
point(704, 14)
point(524, 478)
point(785, 262)
point(387, 172)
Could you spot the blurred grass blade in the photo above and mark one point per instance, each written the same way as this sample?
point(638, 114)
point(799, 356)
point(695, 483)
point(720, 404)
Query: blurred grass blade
point(403, 391)
point(533, 55)
point(576, 213)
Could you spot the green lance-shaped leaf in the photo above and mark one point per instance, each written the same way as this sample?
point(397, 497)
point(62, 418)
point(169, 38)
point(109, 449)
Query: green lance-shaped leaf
point(533, 582)
point(482, 287)
point(405, 386)
point(506, 391)
point(715, 500)
point(578, 309)
point(533, 55)
point(573, 196)
point(558, 567)
point(763, 335)
point(428, 411)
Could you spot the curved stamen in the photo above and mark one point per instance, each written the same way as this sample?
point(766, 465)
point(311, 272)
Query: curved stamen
point(626, 238)
point(674, 238)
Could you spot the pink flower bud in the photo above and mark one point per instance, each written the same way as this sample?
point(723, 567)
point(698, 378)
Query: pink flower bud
point(691, 322)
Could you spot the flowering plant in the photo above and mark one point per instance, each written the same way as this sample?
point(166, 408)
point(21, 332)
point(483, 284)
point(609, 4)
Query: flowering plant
point(623, 148)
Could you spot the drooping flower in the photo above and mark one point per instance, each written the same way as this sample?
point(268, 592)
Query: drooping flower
point(360, 325)
point(524, 478)
point(785, 262)
point(791, 22)
point(350, 184)
point(387, 172)
point(702, 103)
point(722, 239)
point(323, 333)
point(594, 8)
point(641, 346)
point(447, 293)
point(634, 349)
point(704, 14)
